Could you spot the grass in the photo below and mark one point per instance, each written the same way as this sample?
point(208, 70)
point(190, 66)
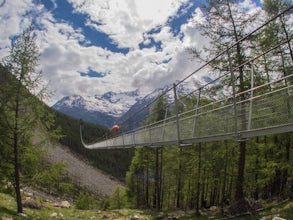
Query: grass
point(8, 209)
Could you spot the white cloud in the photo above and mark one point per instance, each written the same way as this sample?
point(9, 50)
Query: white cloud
point(126, 21)
point(63, 58)
point(13, 20)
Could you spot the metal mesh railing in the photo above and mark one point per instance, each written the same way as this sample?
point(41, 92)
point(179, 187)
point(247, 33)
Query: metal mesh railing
point(265, 113)
point(263, 107)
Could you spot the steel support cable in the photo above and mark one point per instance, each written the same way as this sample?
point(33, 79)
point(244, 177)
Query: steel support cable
point(104, 137)
point(80, 134)
point(217, 56)
point(210, 104)
point(229, 105)
point(266, 84)
point(267, 51)
point(237, 42)
point(243, 64)
point(209, 136)
point(238, 94)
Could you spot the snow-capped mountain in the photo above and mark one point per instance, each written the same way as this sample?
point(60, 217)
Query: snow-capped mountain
point(103, 110)
point(139, 111)
point(111, 107)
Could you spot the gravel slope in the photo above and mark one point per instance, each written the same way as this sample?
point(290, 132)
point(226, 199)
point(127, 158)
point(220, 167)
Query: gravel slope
point(82, 172)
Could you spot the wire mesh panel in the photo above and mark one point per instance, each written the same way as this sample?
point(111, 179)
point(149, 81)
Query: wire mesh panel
point(170, 132)
point(273, 109)
point(268, 110)
point(222, 109)
point(128, 139)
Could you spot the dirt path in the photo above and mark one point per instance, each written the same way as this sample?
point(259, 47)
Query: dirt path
point(81, 171)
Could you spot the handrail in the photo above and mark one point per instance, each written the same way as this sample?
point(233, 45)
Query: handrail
point(253, 112)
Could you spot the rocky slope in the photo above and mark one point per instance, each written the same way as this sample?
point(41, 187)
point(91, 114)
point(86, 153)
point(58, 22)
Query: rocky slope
point(81, 171)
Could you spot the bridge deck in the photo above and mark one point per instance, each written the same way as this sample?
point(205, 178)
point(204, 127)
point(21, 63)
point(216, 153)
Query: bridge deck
point(262, 114)
point(264, 108)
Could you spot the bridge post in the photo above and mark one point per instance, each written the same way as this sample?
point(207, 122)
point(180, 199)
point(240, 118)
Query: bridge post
point(163, 132)
point(150, 134)
point(234, 92)
point(251, 96)
point(107, 140)
point(177, 114)
point(123, 142)
point(196, 112)
point(133, 138)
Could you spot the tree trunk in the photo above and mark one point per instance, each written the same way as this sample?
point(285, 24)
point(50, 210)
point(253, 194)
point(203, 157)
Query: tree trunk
point(224, 178)
point(16, 176)
point(179, 192)
point(287, 160)
point(256, 190)
point(16, 156)
point(240, 177)
point(198, 179)
point(231, 181)
point(160, 180)
point(287, 38)
point(241, 163)
point(155, 196)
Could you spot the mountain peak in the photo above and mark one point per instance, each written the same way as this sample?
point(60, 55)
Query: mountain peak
point(100, 109)
point(112, 107)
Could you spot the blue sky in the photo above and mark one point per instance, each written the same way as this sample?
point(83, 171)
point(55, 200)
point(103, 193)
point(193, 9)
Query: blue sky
point(90, 47)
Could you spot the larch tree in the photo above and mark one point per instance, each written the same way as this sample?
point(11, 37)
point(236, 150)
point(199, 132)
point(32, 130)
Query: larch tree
point(226, 22)
point(144, 180)
point(158, 113)
point(281, 30)
point(22, 110)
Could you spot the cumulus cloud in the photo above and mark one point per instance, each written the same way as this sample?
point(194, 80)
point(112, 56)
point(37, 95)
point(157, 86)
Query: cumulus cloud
point(65, 53)
point(126, 21)
point(13, 18)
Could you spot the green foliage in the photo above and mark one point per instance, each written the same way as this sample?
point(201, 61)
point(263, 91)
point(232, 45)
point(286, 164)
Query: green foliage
point(105, 204)
point(7, 210)
point(66, 188)
point(274, 7)
point(115, 162)
point(158, 110)
point(50, 177)
point(33, 163)
point(118, 198)
point(85, 201)
point(21, 109)
point(6, 151)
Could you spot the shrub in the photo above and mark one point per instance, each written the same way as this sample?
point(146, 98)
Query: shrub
point(85, 201)
point(118, 198)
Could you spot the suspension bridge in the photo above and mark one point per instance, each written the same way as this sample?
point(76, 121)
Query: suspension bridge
point(255, 99)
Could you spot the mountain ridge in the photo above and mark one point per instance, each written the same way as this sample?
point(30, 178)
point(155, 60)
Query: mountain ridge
point(112, 107)
point(104, 109)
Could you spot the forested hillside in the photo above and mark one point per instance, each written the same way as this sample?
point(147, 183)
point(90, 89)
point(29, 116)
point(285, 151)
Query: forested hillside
point(236, 173)
point(237, 176)
point(27, 125)
point(115, 162)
